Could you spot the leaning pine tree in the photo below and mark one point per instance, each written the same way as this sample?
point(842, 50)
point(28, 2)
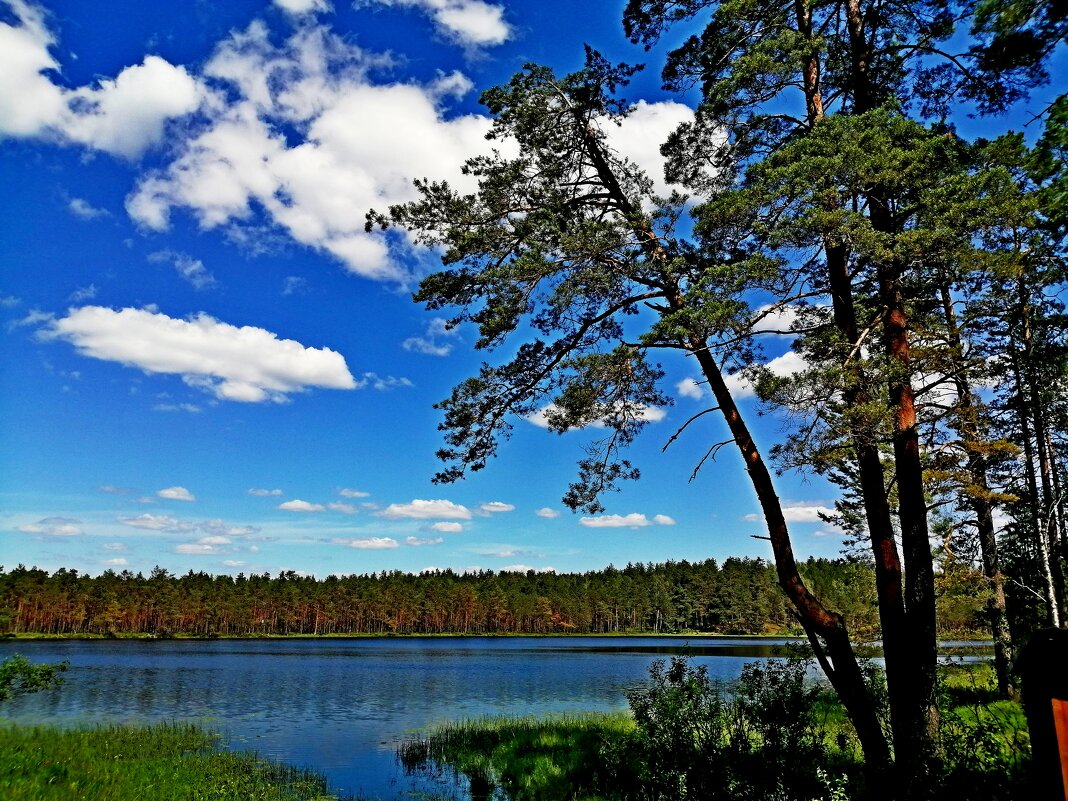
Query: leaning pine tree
point(845, 210)
point(567, 241)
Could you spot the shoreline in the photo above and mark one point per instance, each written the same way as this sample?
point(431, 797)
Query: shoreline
point(30, 636)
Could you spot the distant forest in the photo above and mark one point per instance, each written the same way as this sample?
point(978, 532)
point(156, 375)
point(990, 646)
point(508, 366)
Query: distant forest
point(739, 596)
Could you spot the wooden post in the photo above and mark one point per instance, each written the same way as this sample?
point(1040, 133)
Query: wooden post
point(1043, 667)
point(1060, 723)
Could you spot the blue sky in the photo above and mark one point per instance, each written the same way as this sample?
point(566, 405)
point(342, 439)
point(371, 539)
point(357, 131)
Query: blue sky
point(208, 365)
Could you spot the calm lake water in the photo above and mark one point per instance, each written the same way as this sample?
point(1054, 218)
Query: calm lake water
point(342, 706)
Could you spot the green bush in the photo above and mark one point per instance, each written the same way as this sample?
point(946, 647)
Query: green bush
point(19, 676)
point(766, 741)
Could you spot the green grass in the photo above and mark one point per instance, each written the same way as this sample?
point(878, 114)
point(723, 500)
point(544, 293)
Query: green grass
point(530, 759)
point(576, 758)
point(163, 762)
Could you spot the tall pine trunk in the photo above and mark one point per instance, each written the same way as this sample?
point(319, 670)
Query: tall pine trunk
point(967, 428)
point(826, 629)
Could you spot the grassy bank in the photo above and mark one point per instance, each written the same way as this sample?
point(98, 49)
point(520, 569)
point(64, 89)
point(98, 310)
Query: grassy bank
point(695, 739)
point(163, 762)
point(563, 757)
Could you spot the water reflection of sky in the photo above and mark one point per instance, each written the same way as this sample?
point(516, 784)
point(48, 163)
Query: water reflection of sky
point(341, 706)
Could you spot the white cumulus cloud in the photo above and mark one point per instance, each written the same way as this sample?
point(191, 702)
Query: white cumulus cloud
point(425, 510)
point(472, 23)
point(639, 135)
point(263, 493)
point(127, 115)
point(306, 138)
point(784, 365)
point(245, 363)
point(547, 513)
point(495, 507)
point(345, 492)
point(124, 115)
point(776, 319)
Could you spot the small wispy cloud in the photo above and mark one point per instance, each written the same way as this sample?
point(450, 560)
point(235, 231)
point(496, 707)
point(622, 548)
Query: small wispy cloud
point(84, 210)
point(375, 381)
point(633, 520)
point(111, 489)
point(190, 408)
point(346, 492)
point(447, 527)
point(196, 548)
point(54, 527)
point(496, 507)
point(82, 294)
point(151, 522)
point(798, 513)
point(543, 416)
point(369, 543)
point(344, 508)
point(176, 494)
point(417, 542)
point(297, 505)
point(434, 341)
point(294, 285)
point(189, 269)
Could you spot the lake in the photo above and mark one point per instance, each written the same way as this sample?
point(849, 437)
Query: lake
point(341, 706)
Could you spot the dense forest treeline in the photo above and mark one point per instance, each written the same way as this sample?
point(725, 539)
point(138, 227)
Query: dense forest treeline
point(739, 596)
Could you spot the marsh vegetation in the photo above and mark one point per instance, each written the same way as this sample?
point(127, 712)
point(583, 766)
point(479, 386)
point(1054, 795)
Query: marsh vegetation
point(161, 762)
point(775, 734)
